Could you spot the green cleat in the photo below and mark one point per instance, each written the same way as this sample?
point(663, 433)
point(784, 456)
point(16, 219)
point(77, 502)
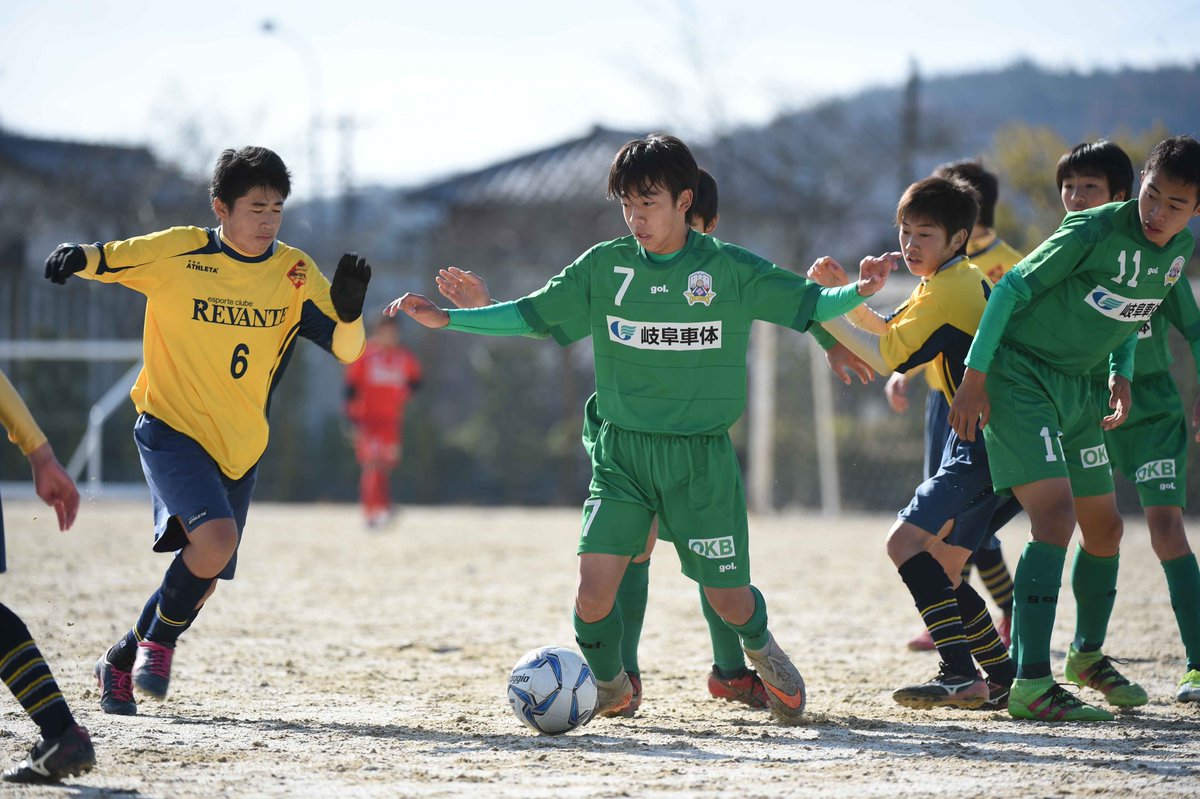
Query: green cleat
point(1189, 687)
point(1096, 670)
point(1045, 700)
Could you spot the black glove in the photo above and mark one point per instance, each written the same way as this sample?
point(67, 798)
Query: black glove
point(66, 260)
point(349, 287)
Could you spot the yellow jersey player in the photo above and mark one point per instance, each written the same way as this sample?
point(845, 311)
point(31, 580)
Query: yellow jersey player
point(65, 748)
point(224, 308)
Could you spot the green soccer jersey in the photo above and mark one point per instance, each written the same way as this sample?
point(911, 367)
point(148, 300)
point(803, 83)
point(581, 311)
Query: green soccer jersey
point(670, 338)
point(1093, 283)
point(1153, 354)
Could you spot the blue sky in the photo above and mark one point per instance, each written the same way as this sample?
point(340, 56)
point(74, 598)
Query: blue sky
point(436, 88)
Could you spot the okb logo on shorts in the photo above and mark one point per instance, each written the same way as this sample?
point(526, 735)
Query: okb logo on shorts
point(677, 336)
point(1094, 456)
point(1155, 470)
point(1114, 306)
point(713, 548)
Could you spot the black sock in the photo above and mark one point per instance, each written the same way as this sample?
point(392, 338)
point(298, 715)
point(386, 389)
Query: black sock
point(985, 643)
point(28, 676)
point(181, 591)
point(996, 578)
point(934, 597)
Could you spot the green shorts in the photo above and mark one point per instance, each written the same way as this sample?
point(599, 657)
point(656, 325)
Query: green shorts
point(1043, 424)
point(1150, 448)
point(692, 483)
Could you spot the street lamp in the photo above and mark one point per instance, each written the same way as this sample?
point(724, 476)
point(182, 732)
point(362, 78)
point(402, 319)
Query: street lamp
point(308, 57)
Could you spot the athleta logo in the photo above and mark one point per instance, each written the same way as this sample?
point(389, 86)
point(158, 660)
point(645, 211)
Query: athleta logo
point(297, 274)
point(1094, 456)
point(680, 336)
point(1114, 306)
point(1154, 470)
point(220, 312)
point(196, 266)
point(713, 548)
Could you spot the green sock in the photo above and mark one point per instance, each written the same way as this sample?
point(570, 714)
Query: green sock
point(726, 645)
point(600, 643)
point(753, 633)
point(1183, 584)
point(1038, 581)
point(1094, 581)
point(631, 599)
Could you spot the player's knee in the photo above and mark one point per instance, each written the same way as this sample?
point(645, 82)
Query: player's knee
point(1167, 535)
point(592, 604)
point(905, 541)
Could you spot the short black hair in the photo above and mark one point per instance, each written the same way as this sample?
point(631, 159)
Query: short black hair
point(706, 201)
point(1099, 159)
point(657, 160)
point(238, 172)
point(950, 203)
point(1178, 157)
point(987, 187)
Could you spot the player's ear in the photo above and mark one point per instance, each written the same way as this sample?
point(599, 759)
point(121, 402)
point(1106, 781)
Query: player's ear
point(712, 223)
point(1119, 197)
point(685, 200)
point(220, 209)
point(959, 239)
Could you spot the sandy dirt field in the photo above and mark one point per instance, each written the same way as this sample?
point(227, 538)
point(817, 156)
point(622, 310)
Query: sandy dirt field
point(343, 663)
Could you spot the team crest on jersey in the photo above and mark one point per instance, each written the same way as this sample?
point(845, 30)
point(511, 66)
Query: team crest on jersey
point(1174, 272)
point(298, 274)
point(1123, 309)
point(699, 288)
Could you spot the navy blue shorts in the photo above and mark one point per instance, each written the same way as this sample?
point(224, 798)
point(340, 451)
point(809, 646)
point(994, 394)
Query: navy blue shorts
point(937, 430)
point(187, 487)
point(961, 489)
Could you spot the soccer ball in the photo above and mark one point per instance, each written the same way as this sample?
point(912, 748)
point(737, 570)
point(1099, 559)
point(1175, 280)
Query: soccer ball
point(552, 690)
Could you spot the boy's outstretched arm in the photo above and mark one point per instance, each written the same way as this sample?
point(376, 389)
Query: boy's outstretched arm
point(419, 308)
point(54, 486)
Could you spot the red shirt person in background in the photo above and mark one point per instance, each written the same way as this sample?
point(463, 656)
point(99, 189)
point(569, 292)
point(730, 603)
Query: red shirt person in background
point(378, 386)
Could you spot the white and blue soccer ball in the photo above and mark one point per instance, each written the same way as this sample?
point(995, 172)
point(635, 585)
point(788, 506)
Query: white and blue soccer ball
point(552, 690)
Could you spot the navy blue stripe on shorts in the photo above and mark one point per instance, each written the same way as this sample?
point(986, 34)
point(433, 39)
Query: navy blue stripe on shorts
point(187, 488)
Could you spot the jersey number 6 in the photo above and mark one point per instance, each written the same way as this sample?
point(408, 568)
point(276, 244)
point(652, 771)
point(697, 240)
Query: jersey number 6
point(239, 364)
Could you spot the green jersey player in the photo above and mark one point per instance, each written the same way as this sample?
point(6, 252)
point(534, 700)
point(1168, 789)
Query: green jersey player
point(670, 314)
point(1150, 448)
point(1082, 294)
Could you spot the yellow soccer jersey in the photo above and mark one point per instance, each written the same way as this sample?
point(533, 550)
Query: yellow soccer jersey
point(994, 258)
point(937, 324)
point(17, 420)
point(992, 255)
point(219, 330)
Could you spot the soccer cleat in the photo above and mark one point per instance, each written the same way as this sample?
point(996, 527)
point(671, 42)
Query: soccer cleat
point(152, 669)
point(1003, 627)
point(997, 696)
point(1045, 700)
point(1189, 687)
point(613, 696)
point(945, 690)
point(68, 755)
point(116, 689)
point(781, 678)
point(1095, 670)
point(635, 701)
point(922, 642)
point(747, 689)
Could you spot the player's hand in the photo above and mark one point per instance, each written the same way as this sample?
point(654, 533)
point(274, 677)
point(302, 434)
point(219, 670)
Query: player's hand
point(873, 273)
point(349, 287)
point(54, 485)
point(970, 409)
point(420, 309)
point(842, 361)
point(896, 391)
point(828, 273)
point(1120, 399)
point(66, 260)
point(464, 289)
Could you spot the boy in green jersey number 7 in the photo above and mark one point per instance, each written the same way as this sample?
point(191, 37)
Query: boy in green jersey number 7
point(1081, 295)
point(670, 314)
